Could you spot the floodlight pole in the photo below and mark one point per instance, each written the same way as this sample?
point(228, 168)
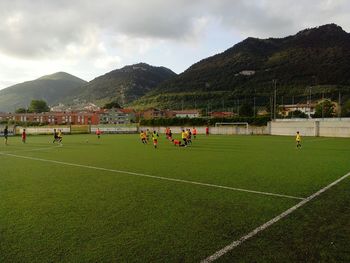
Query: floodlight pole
point(254, 106)
point(310, 101)
point(275, 97)
point(339, 105)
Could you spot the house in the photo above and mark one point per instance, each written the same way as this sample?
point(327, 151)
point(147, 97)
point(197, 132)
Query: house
point(186, 114)
point(151, 113)
point(54, 118)
point(130, 114)
point(117, 116)
point(222, 114)
point(307, 108)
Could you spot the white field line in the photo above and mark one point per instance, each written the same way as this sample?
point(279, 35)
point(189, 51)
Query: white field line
point(30, 150)
point(238, 242)
point(151, 176)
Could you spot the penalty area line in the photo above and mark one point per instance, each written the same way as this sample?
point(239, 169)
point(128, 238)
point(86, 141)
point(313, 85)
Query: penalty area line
point(253, 233)
point(152, 176)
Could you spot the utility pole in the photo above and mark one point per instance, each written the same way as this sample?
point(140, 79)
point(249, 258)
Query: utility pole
point(339, 105)
point(309, 104)
point(271, 105)
point(254, 106)
point(275, 98)
point(322, 104)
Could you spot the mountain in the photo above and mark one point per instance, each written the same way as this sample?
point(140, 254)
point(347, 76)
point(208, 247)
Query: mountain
point(317, 57)
point(123, 85)
point(51, 88)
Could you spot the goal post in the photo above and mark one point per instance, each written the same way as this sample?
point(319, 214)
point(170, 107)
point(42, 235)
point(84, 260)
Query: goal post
point(238, 128)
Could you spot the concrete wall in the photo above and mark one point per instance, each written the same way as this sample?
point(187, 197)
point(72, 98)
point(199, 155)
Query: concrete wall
point(42, 130)
point(114, 129)
point(332, 127)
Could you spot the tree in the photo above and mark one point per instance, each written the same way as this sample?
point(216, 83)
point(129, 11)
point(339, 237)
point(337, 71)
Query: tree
point(345, 109)
point(38, 106)
point(325, 108)
point(21, 110)
point(246, 110)
point(111, 105)
point(297, 114)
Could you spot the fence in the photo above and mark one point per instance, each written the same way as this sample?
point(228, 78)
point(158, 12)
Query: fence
point(10, 129)
point(114, 129)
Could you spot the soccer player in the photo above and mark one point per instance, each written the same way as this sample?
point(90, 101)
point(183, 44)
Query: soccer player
point(189, 136)
point(167, 132)
point(55, 136)
point(170, 135)
point(59, 136)
point(98, 133)
point(155, 136)
point(194, 132)
point(177, 143)
point(143, 137)
point(184, 136)
point(207, 131)
point(24, 136)
point(148, 134)
point(6, 134)
point(298, 140)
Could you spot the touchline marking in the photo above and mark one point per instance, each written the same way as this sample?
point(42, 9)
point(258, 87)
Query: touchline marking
point(238, 242)
point(31, 150)
point(151, 176)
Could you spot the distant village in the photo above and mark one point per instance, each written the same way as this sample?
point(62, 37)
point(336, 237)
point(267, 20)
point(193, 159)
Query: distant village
point(91, 114)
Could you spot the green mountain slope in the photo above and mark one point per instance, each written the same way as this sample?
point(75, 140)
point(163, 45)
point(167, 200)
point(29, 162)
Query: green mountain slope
point(52, 88)
point(317, 57)
point(123, 85)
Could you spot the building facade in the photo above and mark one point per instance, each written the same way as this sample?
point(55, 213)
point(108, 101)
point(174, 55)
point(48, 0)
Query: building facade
point(54, 118)
point(117, 116)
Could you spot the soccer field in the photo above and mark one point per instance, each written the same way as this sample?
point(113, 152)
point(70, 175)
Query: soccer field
point(117, 200)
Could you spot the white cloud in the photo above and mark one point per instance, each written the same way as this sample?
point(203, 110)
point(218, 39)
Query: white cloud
point(98, 36)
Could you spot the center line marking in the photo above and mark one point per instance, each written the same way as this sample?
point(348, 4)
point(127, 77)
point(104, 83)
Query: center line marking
point(151, 176)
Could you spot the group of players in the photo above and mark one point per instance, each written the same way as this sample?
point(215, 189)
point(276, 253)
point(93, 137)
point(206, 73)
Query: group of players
point(186, 137)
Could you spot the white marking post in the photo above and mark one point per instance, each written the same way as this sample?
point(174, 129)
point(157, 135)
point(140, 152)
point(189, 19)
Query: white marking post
point(236, 243)
point(151, 176)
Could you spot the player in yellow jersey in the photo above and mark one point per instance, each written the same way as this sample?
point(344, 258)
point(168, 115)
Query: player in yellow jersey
point(143, 137)
point(184, 137)
point(60, 137)
point(155, 136)
point(298, 140)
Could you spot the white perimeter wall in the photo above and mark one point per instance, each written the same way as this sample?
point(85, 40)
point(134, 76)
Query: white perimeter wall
point(335, 127)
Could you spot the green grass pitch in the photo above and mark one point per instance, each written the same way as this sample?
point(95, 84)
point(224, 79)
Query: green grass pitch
point(57, 212)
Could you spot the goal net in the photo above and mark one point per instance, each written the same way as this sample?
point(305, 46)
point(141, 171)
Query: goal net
point(239, 128)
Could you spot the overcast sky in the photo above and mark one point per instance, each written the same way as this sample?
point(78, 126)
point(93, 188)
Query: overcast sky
point(88, 38)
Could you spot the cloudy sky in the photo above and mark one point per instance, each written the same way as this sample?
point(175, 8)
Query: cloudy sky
point(88, 38)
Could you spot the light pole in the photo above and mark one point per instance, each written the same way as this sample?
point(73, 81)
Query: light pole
point(275, 97)
point(310, 91)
